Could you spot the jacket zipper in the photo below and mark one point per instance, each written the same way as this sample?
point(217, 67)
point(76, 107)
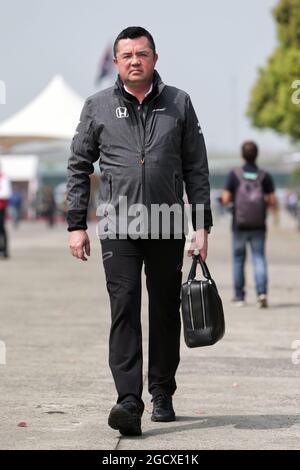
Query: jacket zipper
point(110, 194)
point(143, 145)
point(176, 189)
point(142, 154)
point(143, 151)
point(110, 188)
point(142, 162)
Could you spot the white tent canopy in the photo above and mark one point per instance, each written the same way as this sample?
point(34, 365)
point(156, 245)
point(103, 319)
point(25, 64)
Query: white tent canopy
point(20, 167)
point(53, 114)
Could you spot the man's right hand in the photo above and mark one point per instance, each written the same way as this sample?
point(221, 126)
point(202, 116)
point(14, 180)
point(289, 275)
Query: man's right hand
point(79, 243)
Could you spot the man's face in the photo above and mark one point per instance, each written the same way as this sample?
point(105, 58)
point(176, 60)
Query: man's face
point(135, 61)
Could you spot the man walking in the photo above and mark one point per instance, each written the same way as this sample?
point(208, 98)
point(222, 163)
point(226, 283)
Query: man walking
point(149, 142)
point(251, 190)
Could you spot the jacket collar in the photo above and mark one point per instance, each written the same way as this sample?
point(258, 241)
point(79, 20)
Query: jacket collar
point(158, 87)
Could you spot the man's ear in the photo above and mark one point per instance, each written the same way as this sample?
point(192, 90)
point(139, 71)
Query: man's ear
point(115, 61)
point(155, 58)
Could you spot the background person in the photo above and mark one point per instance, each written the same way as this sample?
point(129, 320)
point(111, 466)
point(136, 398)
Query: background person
point(5, 193)
point(252, 191)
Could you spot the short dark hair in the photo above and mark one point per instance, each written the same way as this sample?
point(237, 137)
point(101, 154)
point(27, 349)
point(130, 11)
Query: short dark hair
point(133, 32)
point(249, 151)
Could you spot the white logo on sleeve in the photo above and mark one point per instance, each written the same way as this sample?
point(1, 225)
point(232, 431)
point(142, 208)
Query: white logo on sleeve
point(122, 112)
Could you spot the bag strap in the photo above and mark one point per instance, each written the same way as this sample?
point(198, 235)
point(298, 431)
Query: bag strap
point(205, 270)
point(261, 174)
point(239, 172)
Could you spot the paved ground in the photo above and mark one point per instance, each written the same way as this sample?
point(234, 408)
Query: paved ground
point(242, 393)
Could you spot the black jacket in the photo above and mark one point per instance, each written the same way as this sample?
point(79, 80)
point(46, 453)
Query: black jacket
point(146, 152)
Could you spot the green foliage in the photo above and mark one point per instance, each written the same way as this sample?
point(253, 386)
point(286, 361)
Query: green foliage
point(295, 179)
point(271, 104)
point(287, 15)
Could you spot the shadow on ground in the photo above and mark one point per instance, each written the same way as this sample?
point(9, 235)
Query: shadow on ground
point(259, 422)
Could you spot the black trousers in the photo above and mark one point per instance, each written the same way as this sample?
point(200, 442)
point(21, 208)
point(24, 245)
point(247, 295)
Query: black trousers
point(3, 236)
point(123, 261)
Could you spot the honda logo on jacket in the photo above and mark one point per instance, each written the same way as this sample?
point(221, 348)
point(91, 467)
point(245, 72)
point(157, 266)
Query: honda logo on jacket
point(122, 112)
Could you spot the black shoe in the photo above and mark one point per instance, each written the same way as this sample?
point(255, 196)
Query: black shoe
point(262, 301)
point(163, 408)
point(126, 417)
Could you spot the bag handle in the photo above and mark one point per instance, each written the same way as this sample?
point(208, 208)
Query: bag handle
point(205, 270)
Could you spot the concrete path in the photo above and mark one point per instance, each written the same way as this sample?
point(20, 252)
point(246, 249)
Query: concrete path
point(243, 393)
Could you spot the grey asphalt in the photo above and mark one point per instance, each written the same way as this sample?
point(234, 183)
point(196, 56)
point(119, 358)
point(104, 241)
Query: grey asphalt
point(242, 393)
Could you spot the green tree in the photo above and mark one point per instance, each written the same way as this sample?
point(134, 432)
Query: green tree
point(271, 105)
point(295, 179)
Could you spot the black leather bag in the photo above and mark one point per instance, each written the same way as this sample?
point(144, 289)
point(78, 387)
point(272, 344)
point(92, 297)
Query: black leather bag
point(202, 309)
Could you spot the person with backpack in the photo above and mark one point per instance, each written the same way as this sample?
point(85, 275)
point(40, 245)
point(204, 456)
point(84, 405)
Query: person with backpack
point(252, 191)
point(15, 204)
point(5, 193)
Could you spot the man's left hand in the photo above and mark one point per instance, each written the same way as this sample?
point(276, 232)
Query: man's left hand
point(200, 243)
